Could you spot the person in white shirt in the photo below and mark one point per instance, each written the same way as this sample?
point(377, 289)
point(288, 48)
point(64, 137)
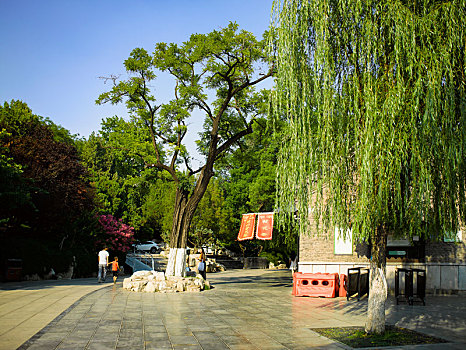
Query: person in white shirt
point(103, 263)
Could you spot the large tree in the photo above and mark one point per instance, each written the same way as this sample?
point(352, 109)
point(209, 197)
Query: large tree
point(52, 188)
point(374, 95)
point(214, 73)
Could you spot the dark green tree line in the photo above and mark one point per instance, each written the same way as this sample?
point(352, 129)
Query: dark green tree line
point(46, 199)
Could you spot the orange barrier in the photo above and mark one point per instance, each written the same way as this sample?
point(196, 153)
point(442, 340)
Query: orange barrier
point(315, 284)
point(343, 284)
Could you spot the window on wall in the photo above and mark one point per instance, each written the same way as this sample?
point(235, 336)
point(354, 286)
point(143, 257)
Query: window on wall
point(453, 236)
point(343, 242)
point(398, 241)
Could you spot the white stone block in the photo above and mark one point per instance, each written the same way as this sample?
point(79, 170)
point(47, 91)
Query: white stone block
point(432, 277)
point(199, 282)
point(127, 283)
point(141, 273)
point(160, 276)
point(449, 277)
point(390, 276)
point(138, 286)
point(193, 288)
point(180, 286)
point(150, 287)
point(332, 269)
point(462, 277)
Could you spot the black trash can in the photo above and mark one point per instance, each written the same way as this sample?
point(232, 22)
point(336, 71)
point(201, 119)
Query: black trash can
point(358, 282)
point(414, 288)
point(403, 294)
point(419, 293)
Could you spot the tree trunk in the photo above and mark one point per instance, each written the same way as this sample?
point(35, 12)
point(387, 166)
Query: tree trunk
point(185, 207)
point(375, 322)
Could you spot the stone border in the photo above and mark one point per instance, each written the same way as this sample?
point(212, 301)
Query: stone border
point(157, 282)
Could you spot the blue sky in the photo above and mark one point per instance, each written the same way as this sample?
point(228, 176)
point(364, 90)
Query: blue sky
point(52, 52)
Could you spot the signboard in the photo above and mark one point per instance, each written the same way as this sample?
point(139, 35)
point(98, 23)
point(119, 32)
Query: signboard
point(397, 242)
point(343, 243)
point(246, 230)
point(264, 226)
point(453, 237)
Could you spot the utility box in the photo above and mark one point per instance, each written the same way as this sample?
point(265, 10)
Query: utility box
point(14, 270)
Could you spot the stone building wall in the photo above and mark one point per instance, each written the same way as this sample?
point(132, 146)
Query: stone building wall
point(445, 262)
point(322, 248)
point(446, 252)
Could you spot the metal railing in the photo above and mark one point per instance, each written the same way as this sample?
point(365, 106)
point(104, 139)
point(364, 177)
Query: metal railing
point(141, 261)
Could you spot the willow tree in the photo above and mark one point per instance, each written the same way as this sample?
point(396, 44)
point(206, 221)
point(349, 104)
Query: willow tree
point(215, 74)
point(374, 96)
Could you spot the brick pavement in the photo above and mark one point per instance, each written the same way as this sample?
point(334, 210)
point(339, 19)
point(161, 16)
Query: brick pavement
point(247, 309)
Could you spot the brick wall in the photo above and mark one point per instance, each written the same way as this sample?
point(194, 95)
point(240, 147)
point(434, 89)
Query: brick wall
point(314, 247)
point(322, 247)
point(446, 252)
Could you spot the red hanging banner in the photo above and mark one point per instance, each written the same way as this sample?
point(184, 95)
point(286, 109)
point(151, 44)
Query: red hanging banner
point(264, 226)
point(246, 230)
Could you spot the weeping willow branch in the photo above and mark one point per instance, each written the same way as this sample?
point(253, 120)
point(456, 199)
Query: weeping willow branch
point(373, 93)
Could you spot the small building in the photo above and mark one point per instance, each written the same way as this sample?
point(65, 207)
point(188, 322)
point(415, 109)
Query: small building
point(444, 262)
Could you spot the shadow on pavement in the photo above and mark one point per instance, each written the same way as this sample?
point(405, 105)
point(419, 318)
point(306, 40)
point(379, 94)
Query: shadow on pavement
point(44, 284)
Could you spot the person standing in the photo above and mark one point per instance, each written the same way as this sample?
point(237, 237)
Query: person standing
point(293, 262)
point(103, 263)
point(115, 269)
point(202, 267)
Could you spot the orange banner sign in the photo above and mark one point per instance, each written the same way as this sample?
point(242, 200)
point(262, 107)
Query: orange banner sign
point(264, 226)
point(246, 230)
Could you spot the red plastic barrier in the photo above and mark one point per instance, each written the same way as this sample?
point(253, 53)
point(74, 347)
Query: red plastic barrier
point(343, 284)
point(315, 284)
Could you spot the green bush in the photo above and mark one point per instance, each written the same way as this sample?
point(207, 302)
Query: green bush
point(274, 257)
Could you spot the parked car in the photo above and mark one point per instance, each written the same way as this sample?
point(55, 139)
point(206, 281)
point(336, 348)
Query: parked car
point(148, 246)
point(208, 249)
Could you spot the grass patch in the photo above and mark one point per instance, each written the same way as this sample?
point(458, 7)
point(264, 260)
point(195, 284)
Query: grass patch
point(393, 336)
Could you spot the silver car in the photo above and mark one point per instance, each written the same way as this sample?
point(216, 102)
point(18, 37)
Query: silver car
point(147, 246)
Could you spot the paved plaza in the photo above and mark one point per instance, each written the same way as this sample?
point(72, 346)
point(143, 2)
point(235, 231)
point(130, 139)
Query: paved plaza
point(247, 309)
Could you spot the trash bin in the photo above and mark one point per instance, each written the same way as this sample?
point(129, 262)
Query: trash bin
point(420, 291)
point(414, 288)
point(406, 292)
point(358, 282)
point(14, 270)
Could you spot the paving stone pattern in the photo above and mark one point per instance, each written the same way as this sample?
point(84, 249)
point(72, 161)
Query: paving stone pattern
point(247, 309)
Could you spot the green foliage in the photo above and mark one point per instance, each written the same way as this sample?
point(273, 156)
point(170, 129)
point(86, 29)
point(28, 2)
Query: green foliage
point(48, 188)
point(127, 186)
point(275, 257)
point(373, 93)
point(214, 73)
point(206, 227)
point(14, 189)
point(246, 178)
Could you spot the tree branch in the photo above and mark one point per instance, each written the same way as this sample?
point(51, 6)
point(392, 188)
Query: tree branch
point(232, 140)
